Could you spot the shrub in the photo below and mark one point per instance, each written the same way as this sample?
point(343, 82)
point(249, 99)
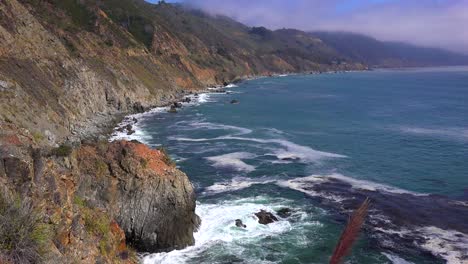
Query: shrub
point(101, 168)
point(79, 201)
point(62, 151)
point(37, 136)
point(23, 236)
point(166, 158)
point(98, 223)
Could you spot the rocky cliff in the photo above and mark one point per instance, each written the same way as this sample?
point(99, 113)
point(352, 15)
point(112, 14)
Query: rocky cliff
point(84, 205)
point(68, 66)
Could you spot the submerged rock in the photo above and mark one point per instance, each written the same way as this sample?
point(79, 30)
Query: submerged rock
point(284, 212)
point(172, 109)
point(292, 158)
point(265, 217)
point(234, 101)
point(239, 223)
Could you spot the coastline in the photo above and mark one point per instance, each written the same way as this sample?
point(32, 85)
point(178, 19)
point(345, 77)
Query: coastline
point(126, 121)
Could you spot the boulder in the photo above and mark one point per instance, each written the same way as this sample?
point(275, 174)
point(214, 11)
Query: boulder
point(240, 224)
point(265, 217)
point(177, 105)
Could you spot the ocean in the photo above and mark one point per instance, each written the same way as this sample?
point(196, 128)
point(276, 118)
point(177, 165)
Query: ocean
point(319, 145)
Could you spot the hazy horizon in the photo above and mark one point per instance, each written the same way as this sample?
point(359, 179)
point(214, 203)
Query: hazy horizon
point(432, 23)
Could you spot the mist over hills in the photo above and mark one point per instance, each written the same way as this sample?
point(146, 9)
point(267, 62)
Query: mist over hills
point(377, 53)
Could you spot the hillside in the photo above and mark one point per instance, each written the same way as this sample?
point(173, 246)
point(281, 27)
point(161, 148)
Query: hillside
point(377, 53)
point(68, 63)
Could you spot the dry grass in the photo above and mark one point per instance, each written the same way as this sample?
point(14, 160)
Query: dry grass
point(23, 236)
point(350, 233)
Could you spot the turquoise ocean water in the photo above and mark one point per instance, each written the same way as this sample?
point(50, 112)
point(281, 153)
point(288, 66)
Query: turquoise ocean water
point(320, 144)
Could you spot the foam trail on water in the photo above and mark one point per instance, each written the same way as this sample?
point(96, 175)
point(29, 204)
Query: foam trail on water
point(237, 183)
point(396, 259)
point(290, 150)
point(233, 161)
point(456, 133)
point(301, 184)
point(185, 125)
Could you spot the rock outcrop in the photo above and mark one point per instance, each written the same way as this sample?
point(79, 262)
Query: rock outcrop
point(265, 217)
point(153, 202)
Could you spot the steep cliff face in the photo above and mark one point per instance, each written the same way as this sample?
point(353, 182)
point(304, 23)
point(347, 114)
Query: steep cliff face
point(89, 202)
point(56, 77)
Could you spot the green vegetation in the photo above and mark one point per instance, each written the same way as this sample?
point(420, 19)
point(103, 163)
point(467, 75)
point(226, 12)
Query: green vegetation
point(62, 150)
point(8, 120)
point(37, 136)
point(23, 236)
point(98, 223)
point(81, 15)
point(101, 168)
point(129, 15)
point(144, 163)
point(79, 201)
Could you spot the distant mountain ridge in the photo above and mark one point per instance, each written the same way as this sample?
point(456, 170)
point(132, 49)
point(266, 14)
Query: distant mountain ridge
point(375, 53)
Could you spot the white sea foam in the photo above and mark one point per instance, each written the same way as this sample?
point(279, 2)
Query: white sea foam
point(369, 185)
point(203, 98)
point(217, 228)
point(233, 161)
point(231, 85)
point(301, 184)
point(457, 133)
point(190, 125)
point(290, 150)
point(448, 244)
point(396, 259)
point(237, 183)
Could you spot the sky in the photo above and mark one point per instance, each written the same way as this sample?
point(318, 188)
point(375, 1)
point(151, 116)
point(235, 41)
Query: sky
point(434, 23)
